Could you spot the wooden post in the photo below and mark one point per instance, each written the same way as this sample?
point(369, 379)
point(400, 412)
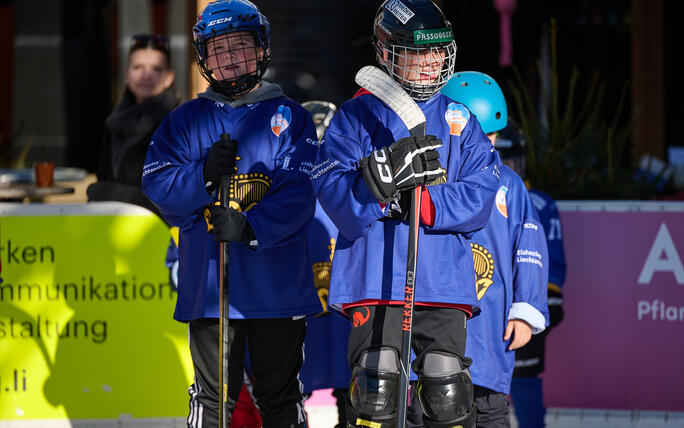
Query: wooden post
point(196, 81)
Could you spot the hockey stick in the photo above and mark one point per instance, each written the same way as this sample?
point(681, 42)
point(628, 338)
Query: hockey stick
point(391, 93)
point(225, 333)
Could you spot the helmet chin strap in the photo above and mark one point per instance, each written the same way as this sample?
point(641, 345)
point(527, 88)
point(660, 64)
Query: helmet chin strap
point(238, 87)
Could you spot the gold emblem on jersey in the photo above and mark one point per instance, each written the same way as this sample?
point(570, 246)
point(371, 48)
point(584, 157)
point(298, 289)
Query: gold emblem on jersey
point(321, 273)
point(247, 189)
point(484, 269)
point(244, 192)
point(439, 180)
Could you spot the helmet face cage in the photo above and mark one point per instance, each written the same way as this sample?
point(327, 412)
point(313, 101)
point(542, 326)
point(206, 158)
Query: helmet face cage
point(421, 71)
point(233, 63)
point(511, 145)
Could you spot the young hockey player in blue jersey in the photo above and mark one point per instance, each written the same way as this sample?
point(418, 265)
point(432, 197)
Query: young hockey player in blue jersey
point(269, 153)
point(365, 139)
point(511, 263)
point(526, 388)
point(325, 365)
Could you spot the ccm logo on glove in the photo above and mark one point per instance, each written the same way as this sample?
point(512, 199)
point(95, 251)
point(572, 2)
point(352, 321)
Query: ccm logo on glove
point(407, 163)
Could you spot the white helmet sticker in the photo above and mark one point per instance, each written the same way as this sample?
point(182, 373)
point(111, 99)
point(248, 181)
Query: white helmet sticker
point(399, 9)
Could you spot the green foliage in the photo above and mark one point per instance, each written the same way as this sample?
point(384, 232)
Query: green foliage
point(577, 151)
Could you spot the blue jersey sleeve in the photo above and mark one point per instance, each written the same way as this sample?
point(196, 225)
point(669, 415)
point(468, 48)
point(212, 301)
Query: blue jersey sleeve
point(173, 174)
point(464, 206)
point(341, 190)
point(284, 213)
point(530, 265)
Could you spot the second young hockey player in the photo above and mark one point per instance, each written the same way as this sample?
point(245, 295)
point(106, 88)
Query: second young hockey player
point(364, 165)
point(511, 263)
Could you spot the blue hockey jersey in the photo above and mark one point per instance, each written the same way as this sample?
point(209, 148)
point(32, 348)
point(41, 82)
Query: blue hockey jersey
point(370, 259)
point(325, 346)
point(548, 214)
point(512, 265)
point(276, 148)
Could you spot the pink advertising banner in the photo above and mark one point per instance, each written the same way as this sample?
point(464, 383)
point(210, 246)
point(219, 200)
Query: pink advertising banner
point(621, 343)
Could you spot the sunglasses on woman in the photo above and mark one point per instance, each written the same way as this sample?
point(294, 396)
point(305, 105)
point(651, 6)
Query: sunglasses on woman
point(155, 41)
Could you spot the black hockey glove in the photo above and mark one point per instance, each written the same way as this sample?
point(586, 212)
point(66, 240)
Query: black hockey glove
point(230, 225)
point(221, 160)
point(400, 207)
point(407, 163)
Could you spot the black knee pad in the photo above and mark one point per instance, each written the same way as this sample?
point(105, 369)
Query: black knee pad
point(373, 389)
point(446, 392)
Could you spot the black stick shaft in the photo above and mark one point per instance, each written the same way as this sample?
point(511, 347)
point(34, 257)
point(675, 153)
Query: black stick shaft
point(407, 319)
point(409, 294)
point(224, 330)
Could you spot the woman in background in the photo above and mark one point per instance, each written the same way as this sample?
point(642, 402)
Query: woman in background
point(148, 96)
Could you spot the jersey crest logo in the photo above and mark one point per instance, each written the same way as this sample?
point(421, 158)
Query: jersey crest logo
point(457, 117)
point(247, 189)
point(358, 319)
point(280, 121)
point(484, 269)
point(244, 192)
point(439, 180)
point(501, 201)
point(321, 273)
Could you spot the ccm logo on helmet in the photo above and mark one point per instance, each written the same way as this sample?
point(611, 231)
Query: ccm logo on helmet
point(220, 21)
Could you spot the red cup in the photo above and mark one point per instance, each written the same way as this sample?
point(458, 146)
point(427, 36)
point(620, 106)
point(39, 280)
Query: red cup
point(44, 173)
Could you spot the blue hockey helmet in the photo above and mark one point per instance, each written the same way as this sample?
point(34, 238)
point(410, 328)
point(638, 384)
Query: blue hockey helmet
point(482, 96)
point(222, 17)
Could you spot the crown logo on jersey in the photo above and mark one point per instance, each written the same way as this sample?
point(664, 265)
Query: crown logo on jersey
point(247, 189)
point(321, 272)
point(456, 116)
point(281, 120)
point(244, 192)
point(439, 180)
point(484, 269)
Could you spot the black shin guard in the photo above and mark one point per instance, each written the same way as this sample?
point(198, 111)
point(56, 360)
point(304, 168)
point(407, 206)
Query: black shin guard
point(374, 390)
point(372, 398)
point(447, 401)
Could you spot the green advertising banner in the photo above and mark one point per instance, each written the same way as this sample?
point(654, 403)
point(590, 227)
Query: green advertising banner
point(86, 328)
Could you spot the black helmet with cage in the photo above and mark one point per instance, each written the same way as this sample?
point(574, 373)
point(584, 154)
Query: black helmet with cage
point(414, 42)
point(510, 143)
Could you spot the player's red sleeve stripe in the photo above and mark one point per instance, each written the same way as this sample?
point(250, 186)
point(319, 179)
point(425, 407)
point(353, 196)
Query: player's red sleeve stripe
point(427, 208)
point(362, 91)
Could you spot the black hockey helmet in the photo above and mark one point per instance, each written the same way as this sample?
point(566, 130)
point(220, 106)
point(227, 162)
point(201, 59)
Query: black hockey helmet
point(510, 143)
point(406, 29)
